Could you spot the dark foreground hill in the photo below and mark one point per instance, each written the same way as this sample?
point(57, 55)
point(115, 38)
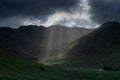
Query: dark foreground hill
point(99, 48)
point(34, 42)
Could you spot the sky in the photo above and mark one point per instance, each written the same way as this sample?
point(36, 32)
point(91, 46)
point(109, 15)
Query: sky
point(80, 13)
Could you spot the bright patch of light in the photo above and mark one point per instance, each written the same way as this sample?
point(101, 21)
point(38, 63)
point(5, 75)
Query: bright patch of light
point(52, 20)
point(79, 17)
point(31, 22)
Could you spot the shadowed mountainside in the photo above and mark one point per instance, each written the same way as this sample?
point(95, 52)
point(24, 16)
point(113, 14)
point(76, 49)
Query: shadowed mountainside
point(32, 41)
point(99, 48)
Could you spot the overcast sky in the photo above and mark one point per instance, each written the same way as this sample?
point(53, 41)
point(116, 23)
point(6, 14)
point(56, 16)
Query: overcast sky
point(81, 13)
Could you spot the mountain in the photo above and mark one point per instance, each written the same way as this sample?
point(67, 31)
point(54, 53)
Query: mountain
point(30, 41)
point(57, 37)
point(99, 48)
point(34, 42)
point(22, 41)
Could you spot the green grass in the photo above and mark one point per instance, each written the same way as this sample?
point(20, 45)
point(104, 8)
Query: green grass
point(15, 68)
point(98, 75)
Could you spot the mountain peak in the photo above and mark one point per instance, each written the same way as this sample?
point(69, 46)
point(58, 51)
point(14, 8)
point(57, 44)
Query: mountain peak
point(31, 27)
point(99, 47)
point(111, 24)
point(58, 27)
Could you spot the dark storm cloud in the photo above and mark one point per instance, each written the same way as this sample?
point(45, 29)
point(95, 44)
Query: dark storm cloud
point(34, 8)
point(105, 10)
point(13, 22)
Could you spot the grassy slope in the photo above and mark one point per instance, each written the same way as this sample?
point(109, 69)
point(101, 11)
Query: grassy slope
point(14, 68)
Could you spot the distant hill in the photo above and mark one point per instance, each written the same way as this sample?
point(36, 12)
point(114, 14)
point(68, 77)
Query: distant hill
point(34, 42)
point(99, 48)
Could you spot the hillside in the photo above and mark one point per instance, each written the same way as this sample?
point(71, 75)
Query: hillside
point(16, 68)
point(97, 49)
point(35, 42)
point(83, 57)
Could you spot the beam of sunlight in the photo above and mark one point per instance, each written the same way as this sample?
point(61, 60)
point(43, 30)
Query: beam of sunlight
point(52, 46)
point(58, 37)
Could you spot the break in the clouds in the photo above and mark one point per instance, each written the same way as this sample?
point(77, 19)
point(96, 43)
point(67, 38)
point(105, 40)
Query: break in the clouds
point(78, 16)
point(33, 9)
point(83, 13)
point(44, 12)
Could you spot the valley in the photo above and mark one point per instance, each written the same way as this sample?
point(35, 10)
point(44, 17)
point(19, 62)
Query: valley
point(91, 56)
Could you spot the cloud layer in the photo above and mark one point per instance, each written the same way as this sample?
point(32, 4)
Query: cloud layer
point(77, 16)
point(105, 10)
point(34, 8)
point(83, 13)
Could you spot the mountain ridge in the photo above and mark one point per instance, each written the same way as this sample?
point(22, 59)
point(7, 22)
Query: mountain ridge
point(32, 41)
point(99, 48)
